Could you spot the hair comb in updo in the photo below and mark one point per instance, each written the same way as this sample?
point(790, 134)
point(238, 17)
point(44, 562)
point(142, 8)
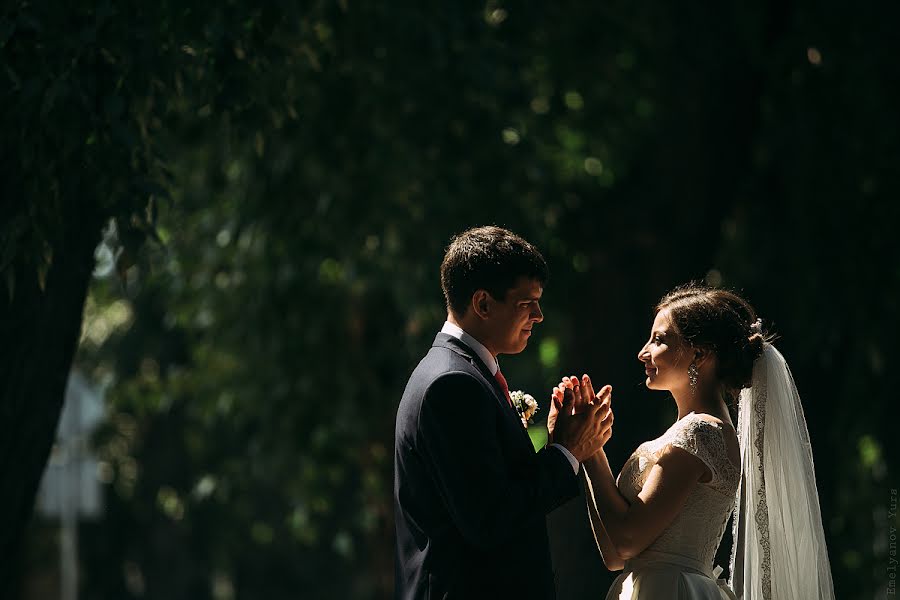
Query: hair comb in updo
point(756, 327)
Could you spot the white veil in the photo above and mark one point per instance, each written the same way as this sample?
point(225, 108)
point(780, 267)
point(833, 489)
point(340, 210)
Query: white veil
point(779, 545)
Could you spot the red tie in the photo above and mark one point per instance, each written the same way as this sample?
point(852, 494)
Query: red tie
point(502, 381)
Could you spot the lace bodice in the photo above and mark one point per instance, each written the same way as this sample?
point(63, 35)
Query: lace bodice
point(697, 530)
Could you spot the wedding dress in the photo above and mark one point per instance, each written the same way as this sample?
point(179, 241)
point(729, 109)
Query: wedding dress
point(678, 564)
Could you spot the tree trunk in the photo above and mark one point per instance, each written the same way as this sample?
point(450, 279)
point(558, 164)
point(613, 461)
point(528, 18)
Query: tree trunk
point(40, 331)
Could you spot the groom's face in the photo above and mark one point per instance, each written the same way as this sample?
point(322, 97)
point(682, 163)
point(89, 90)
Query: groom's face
point(512, 319)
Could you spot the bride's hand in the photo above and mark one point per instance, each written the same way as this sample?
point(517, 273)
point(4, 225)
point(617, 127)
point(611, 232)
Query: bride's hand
point(582, 392)
point(604, 396)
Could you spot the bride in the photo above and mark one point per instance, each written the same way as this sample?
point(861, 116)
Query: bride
point(663, 518)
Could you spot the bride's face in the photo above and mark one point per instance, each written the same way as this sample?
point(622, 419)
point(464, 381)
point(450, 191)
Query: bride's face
point(664, 356)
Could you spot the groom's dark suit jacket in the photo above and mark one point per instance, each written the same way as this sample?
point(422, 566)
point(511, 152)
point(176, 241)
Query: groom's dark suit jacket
point(470, 493)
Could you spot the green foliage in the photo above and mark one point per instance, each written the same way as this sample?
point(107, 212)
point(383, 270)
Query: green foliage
point(538, 436)
point(81, 119)
point(281, 181)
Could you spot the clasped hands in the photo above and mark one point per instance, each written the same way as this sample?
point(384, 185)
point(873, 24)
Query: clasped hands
point(579, 419)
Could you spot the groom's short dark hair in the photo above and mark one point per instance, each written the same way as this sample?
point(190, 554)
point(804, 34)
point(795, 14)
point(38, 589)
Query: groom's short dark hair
point(487, 258)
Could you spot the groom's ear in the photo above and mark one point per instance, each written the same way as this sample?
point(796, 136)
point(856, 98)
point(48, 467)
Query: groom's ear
point(481, 303)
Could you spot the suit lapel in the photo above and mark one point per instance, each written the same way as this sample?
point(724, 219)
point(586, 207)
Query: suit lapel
point(453, 344)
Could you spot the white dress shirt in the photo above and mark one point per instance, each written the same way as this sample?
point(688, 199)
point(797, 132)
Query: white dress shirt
point(490, 361)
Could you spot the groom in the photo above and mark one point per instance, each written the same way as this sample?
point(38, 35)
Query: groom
point(470, 493)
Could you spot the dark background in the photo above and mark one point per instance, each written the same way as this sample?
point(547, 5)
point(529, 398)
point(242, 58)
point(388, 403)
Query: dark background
point(273, 185)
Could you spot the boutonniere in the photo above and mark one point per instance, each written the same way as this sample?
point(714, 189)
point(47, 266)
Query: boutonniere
point(525, 405)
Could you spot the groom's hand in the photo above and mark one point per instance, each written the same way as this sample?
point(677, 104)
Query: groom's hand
point(583, 420)
point(556, 404)
point(578, 405)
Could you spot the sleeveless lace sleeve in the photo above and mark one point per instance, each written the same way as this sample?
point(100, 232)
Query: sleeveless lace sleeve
point(704, 440)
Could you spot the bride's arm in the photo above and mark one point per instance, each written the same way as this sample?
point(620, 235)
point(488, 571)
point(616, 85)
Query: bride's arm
point(608, 553)
point(633, 527)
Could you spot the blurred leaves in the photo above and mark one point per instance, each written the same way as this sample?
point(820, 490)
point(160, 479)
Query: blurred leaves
point(278, 183)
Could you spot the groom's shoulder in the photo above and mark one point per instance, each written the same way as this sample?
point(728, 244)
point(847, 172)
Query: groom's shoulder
point(439, 370)
point(439, 363)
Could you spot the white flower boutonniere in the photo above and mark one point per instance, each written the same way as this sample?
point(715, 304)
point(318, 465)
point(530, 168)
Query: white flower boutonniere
point(525, 405)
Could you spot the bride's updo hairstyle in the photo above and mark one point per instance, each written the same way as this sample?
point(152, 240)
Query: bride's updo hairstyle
point(722, 322)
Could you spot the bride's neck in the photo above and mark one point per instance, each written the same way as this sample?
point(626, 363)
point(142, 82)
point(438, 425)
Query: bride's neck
point(708, 401)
